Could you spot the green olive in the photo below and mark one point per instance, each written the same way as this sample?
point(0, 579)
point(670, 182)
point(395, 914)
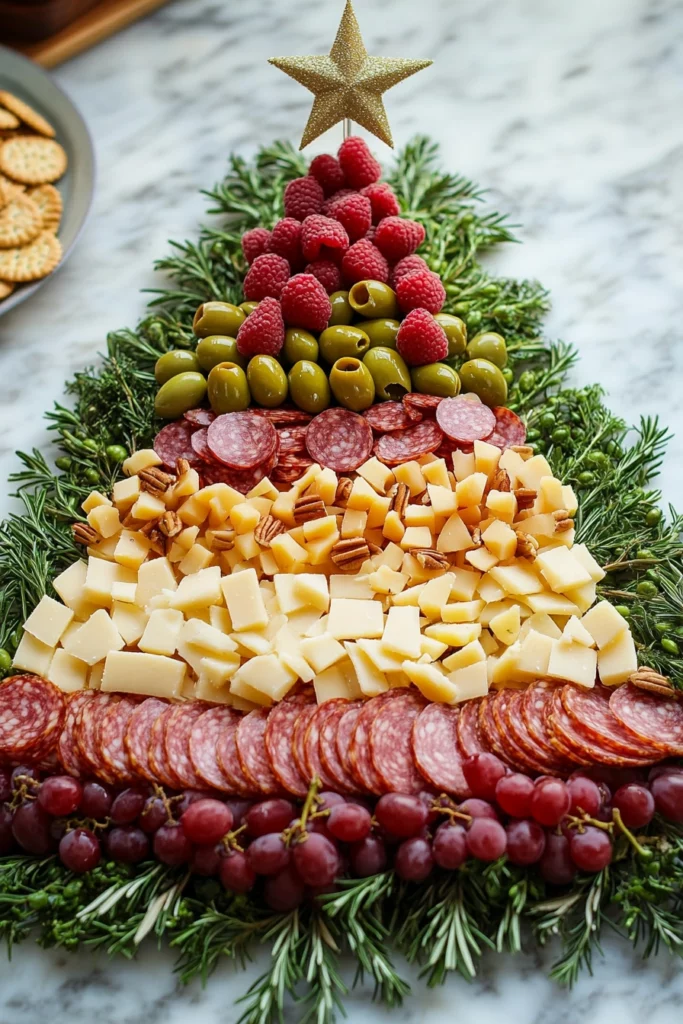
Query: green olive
point(218, 318)
point(485, 380)
point(373, 299)
point(343, 340)
point(389, 372)
point(309, 387)
point(180, 393)
point(218, 348)
point(342, 313)
point(435, 379)
point(352, 384)
point(172, 363)
point(381, 332)
point(228, 388)
point(456, 332)
point(267, 381)
point(299, 344)
point(489, 345)
point(248, 307)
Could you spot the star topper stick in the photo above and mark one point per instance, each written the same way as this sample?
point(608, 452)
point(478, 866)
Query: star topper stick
point(347, 83)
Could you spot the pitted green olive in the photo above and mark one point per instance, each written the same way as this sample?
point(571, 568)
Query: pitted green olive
point(248, 307)
point(352, 384)
point(343, 340)
point(309, 387)
point(228, 388)
point(436, 379)
point(389, 372)
point(218, 318)
point(456, 332)
point(342, 313)
point(299, 344)
point(267, 381)
point(489, 345)
point(172, 363)
point(373, 299)
point(485, 379)
point(381, 332)
point(180, 393)
point(218, 348)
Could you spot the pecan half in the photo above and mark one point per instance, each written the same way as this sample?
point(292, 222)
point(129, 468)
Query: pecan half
point(155, 480)
point(525, 451)
point(308, 507)
point(430, 558)
point(85, 534)
point(344, 485)
point(563, 525)
point(350, 553)
point(648, 679)
point(399, 500)
point(223, 540)
point(501, 481)
point(267, 530)
point(527, 546)
point(182, 466)
point(170, 524)
point(525, 496)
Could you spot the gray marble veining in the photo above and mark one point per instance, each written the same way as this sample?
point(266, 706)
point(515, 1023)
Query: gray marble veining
point(570, 115)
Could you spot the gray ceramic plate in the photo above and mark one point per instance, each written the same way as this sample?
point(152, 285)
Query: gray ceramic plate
point(33, 85)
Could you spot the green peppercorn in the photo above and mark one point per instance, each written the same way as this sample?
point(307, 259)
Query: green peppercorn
point(597, 458)
point(38, 900)
point(116, 453)
point(586, 478)
point(646, 588)
point(653, 517)
point(644, 553)
point(5, 660)
point(669, 645)
point(474, 320)
point(623, 610)
point(63, 463)
point(72, 890)
point(560, 435)
point(532, 435)
point(92, 476)
point(508, 375)
point(546, 421)
point(663, 627)
point(90, 444)
point(526, 380)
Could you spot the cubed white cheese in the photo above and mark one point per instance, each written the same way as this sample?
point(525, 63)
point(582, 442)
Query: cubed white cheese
point(150, 674)
point(561, 569)
point(350, 619)
point(100, 578)
point(574, 662)
point(506, 625)
point(312, 589)
point(244, 600)
point(68, 673)
point(48, 620)
point(618, 660)
point(604, 623)
point(470, 682)
point(162, 632)
point(33, 656)
point(338, 680)
point(431, 681)
point(371, 681)
point(266, 674)
point(351, 587)
point(322, 651)
point(434, 595)
point(130, 620)
point(70, 584)
point(402, 632)
point(95, 639)
point(153, 577)
point(575, 632)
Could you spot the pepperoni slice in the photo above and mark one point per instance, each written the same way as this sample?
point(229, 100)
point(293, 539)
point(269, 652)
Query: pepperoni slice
point(32, 715)
point(333, 764)
point(425, 405)
point(590, 709)
point(177, 742)
point(158, 761)
point(550, 763)
point(509, 428)
point(470, 739)
point(284, 416)
point(251, 751)
point(339, 439)
point(435, 749)
point(242, 440)
point(229, 762)
point(86, 734)
point(345, 730)
point(279, 739)
point(290, 469)
point(242, 480)
point(464, 420)
point(386, 416)
point(490, 734)
point(138, 735)
point(536, 700)
point(200, 445)
point(515, 752)
point(292, 440)
point(571, 735)
point(67, 749)
point(359, 760)
point(204, 735)
point(650, 719)
point(405, 445)
point(199, 417)
point(311, 747)
point(298, 741)
point(390, 744)
point(174, 442)
point(111, 733)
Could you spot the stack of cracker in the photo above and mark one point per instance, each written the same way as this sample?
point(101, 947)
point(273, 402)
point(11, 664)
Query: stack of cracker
point(30, 205)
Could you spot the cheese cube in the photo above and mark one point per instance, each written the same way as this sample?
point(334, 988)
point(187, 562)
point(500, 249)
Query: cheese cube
point(470, 654)
point(541, 526)
point(562, 570)
point(410, 474)
point(199, 590)
point(506, 625)
point(511, 461)
point(402, 632)
point(377, 474)
point(130, 620)
point(604, 623)
point(145, 458)
point(432, 648)
point(436, 475)
point(48, 620)
point(153, 577)
point(470, 682)
point(393, 528)
point(481, 559)
point(197, 558)
point(287, 552)
point(266, 674)
point(434, 596)
point(95, 639)
point(302, 622)
point(463, 584)
point(217, 671)
point(488, 590)
point(350, 618)
point(288, 649)
point(583, 555)
point(244, 600)
point(500, 540)
point(317, 529)
point(462, 611)
point(550, 496)
point(455, 634)
point(357, 587)
point(488, 642)
point(569, 500)
point(502, 505)
point(463, 464)
point(454, 535)
point(148, 506)
point(504, 670)
point(362, 495)
point(325, 485)
point(131, 549)
point(123, 592)
point(384, 661)
point(574, 662)
point(244, 517)
point(68, 673)
point(583, 597)
point(575, 632)
point(321, 651)
point(69, 585)
point(371, 681)
point(391, 556)
point(162, 632)
point(618, 660)
point(551, 604)
point(152, 675)
point(542, 623)
point(416, 537)
point(338, 680)
point(486, 458)
point(518, 579)
point(240, 690)
point(207, 638)
point(443, 499)
point(387, 581)
point(95, 500)
point(33, 656)
point(470, 491)
point(531, 472)
point(99, 579)
point(289, 599)
point(419, 515)
point(105, 519)
point(431, 681)
point(95, 676)
point(186, 486)
point(311, 590)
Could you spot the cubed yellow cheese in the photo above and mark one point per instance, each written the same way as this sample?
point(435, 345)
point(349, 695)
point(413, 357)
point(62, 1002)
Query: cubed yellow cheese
point(268, 564)
point(463, 464)
point(287, 552)
point(511, 461)
point(70, 584)
point(542, 623)
point(162, 632)
point(218, 671)
point(207, 638)
point(562, 570)
point(463, 584)
point(197, 558)
point(604, 623)
point(350, 618)
point(470, 491)
point(326, 485)
point(455, 634)
point(502, 505)
point(318, 550)
point(244, 517)
point(470, 654)
point(550, 497)
point(419, 515)
point(506, 625)
point(504, 670)
point(518, 579)
point(357, 587)
point(488, 590)
point(391, 556)
point(531, 472)
point(153, 675)
point(416, 537)
point(454, 535)
point(410, 596)
point(431, 681)
point(200, 590)
point(244, 697)
point(436, 475)
point(131, 549)
point(48, 620)
point(362, 495)
point(321, 651)
point(338, 680)
point(99, 579)
point(68, 673)
point(583, 597)
point(402, 632)
point(153, 577)
point(219, 618)
point(145, 458)
point(186, 486)
point(105, 519)
point(540, 526)
point(244, 600)
point(443, 500)
point(393, 528)
point(462, 611)
point(470, 681)
point(289, 599)
point(583, 555)
point(302, 622)
point(486, 458)
point(569, 500)
point(551, 604)
point(488, 642)
point(266, 674)
point(575, 632)
point(618, 660)
point(383, 660)
point(387, 581)
point(500, 540)
point(95, 500)
point(312, 591)
point(574, 662)
point(377, 474)
point(247, 546)
point(481, 558)
point(434, 596)
point(95, 639)
point(370, 680)
point(95, 676)
point(410, 474)
point(317, 529)
point(431, 648)
point(148, 506)
point(33, 656)
point(130, 620)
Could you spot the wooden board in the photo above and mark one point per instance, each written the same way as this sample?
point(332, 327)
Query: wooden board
point(108, 17)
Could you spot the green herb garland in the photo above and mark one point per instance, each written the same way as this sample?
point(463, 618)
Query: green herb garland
point(445, 924)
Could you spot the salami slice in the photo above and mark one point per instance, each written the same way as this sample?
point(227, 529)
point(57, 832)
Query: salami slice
point(405, 445)
point(177, 734)
point(470, 739)
point(391, 747)
point(86, 734)
point(543, 755)
point(536, 700)
point(229, 762)
point(435, 749)
point(279, 739)
point(298, 741)
point(509, 428)
point(284, 416)
point(242, 440)
point(425, 405)
point(200, 445)
point(174, 442)
point(490, 734)
point(251, 751)
point(346, 726)
point(199, 417)
point(32, 715)
point(463, 420)
point(67, 748)
point(158, 761)
point(566, 732)
point(516, 752)
point(386, 416)
point(590, 709)
point(649, 719)
point(333, 764)
point(242, 480)
point(111, 731)
point(359, 759)
point(339, 439)
point(290, 469)
point(292, 440)
point(204, 735)
point(312, 756)
point(138, 735)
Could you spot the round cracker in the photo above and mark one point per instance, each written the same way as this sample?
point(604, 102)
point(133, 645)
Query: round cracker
point(31, 262)
point(26, 114)
point(8, 120)
point(10, 188)
point(6, 288)
point(48, 199)
point(32, 160)
point(20, 222)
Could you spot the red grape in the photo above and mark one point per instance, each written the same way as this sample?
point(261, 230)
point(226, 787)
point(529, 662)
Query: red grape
point(153, 816)
point(23, 775)
point(235, 872)
point(60, 795)
point(238, 809)
point(206, 821)
point(127, 806)
point(96, 800)
point(79, 850)
point(189, 797)
point(525, 842)
point(486, 839)
point(591, 850)
point(550, 801)
point(269, 816)
point(584, 795)
point(414, 861)
point(556, 865)
point(127, 844)
point(401, 814)
point(284, 891)
point(171, 845)
point(482, 772)
point(349, 822)
point(327, 800)
point(206, 860)
point(316, 860)
point(31, 828)
point(6, 835)
point(664, 769)
point(5, 785)
point(368, 857)
point(268, 854)
point(668, 793)
point(478, 809)
point(635, 803)
point(449, 847)
point(513, 794)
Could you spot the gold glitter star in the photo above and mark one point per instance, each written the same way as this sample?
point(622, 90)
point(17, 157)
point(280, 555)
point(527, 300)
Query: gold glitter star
point(347, 83)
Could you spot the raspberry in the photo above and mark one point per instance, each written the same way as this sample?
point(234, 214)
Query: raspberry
point(303, 197)
point(397, 237)
point(329, 204)
point(305, 303)
point(263, 332)
point(382, 199)
point(357, 162)
point(255, 243)
point(421, 339)
point(363, 262)
point(327, 170)
point(408, 265)
point(420, 290)
point(285, 241)
point(267, 275)
point(370, 233)
point(322, 238)
point(354, 213)
point(327, 272)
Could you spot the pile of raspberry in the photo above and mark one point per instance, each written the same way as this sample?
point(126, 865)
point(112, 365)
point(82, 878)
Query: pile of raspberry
point(341, 225)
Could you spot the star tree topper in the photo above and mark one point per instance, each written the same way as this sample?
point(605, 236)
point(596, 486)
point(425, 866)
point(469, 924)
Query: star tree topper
point(347, 82)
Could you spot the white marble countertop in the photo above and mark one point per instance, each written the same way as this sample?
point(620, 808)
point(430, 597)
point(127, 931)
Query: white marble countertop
point(570, 114)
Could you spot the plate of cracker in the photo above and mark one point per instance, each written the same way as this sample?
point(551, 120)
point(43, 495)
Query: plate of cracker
point(47, 177)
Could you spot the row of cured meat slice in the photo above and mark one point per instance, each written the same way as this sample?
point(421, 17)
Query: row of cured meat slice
point(241, 448)
point(396, 742)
